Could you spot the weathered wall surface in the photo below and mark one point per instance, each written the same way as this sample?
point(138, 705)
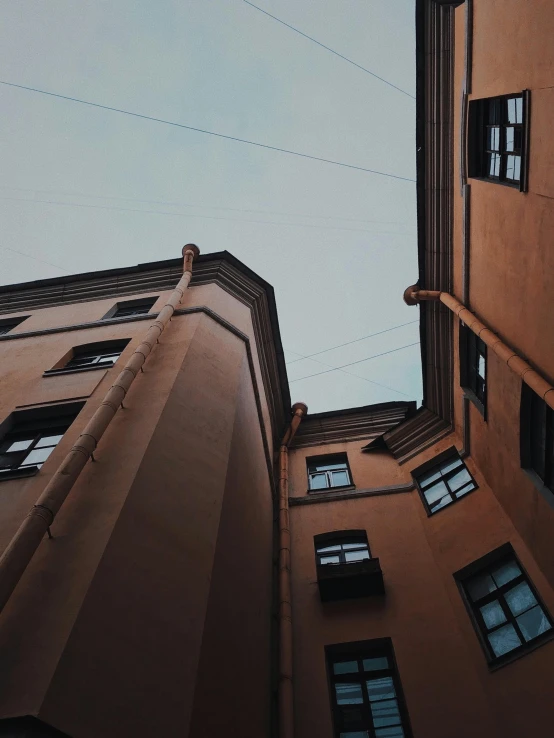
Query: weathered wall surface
point(447, 684)
point(117, 623)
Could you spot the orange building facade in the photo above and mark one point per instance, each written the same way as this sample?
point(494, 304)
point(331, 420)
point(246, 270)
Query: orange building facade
point(180, 558)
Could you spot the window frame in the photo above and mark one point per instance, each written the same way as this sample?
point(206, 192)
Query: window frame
point(102, 348)
point(545, 484)
point(128, 304)
point(484, 565)
point(477, 140)
point(341, 538)
point(341, 457)
point(358, 651)
point(443, 458)
point(10, 323)
point(471, 347)
point(43, 422)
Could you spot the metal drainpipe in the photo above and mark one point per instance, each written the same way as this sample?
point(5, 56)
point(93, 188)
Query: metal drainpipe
point(286, 695)
point(25, 542)
point(413, 295)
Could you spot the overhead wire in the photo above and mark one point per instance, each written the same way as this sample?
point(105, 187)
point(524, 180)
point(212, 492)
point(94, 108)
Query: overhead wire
point(205, 131)
point(36, 258)
point(205, 217)
point(360, 361)
point(348, 343)
point(328, 48)
point(343, 371)
point(200, 206)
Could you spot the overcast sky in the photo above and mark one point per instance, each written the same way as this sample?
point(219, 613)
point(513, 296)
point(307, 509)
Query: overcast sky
point(338, 245)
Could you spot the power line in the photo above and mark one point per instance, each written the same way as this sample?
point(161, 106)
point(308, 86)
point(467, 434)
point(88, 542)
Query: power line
point(329, 49)
point(202, 130)
point(356, 340)
point(205, 217)
point(29, 256)
point(336, 368)
point(371, 381)
point(204, 207)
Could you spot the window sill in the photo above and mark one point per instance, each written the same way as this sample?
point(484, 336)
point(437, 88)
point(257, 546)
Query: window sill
point(344, 488)
point(512, 185)
point(28, 471)
point(57, 372)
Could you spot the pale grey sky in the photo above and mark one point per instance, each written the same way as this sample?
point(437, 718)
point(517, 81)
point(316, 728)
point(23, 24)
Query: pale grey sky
point(338, 245)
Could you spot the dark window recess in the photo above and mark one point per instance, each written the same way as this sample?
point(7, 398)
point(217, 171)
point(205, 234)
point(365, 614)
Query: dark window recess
point(497, 139)
point(345, 567)
point(7, 324)
point(366, 692)
point(443, 481)
point(29, 438)
point(131, 307)
point(537, 437)
point(325, 472)
point(473, 366)
point(504, 606)
point(94, 355)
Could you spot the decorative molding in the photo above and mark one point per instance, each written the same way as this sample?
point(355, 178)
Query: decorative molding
point(361, 423)
point(221, 268)
point(416, 434)
point(314, 499)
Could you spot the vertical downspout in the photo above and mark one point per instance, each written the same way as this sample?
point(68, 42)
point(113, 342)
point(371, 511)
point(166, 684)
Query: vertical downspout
point(28, 537)
point(286, 695)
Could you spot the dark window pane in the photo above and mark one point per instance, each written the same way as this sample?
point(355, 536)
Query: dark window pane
point(512, 116)
point(493, 165)
point(345, 667)
point(426, 479)
point(49, 440)
point(448, 466)
point(493, 614)
point(506, 573)
point(38, 456)
point(493, 138)
point(380, 689)
point(503, 640)
point(385, 713)
point(20, 445)
point(520, 598)
point(356, 555)
point(375, 664)
point(318, 481)
point(480, 586)
point(329, 560)
point(435, 493)
point(464, 490)
point(340, 478)
point(533, 623)
point(396, 732)
point(460, 479)
point(355, 734)
point(519, 110)
point(351, 546)
point(349, 694)
point(328, 466)
point(328, 549)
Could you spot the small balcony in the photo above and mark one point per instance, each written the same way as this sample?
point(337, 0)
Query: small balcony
point(350, 580)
